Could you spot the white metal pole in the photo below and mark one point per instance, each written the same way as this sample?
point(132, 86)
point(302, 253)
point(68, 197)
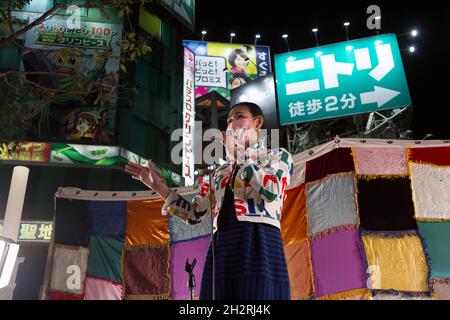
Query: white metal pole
point(14, 206)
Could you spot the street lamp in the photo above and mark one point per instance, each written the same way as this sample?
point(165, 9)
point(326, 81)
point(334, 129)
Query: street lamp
point(232, 35)
point(346, 24)
point(414, 33)
point(203, 35)
point(285, 37)
point(13, 214)
point(412, 49)
point(315, 30)
point(257, 36)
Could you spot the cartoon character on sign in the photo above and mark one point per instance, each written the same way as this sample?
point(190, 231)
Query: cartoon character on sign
point(86, 127)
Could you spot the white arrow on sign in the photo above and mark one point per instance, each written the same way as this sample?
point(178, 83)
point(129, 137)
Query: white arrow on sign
point(380, 96)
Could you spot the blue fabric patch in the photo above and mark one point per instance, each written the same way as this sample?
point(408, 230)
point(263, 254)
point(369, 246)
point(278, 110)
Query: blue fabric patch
point(108, 218)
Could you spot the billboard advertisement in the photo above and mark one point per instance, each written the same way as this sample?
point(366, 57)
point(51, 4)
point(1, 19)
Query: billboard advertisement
point(223, 67)
point(341, 79)
point(261, 92)
point(65, 58)
point(25, 151)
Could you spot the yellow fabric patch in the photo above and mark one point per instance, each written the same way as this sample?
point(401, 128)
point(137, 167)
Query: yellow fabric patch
point(357, 294)
point(396, 263)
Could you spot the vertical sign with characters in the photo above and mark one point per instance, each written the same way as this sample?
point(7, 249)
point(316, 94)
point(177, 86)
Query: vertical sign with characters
point(188, 117)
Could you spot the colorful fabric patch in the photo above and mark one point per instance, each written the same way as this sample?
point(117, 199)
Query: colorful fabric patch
point(299, 268)
point(105, 259)
point(108, 218)
point(357, 294)
point(72, 219)
point(181, 231)
point(337, 263)
point(398, 296)
point(441, 289)
point(436, 236)
point(396, 262)
point(380, 161)
point(179, 253)
point(293, 216)
point(431, 190)
point(331, 203)
point(69, 269)
point(145, 224)
point(439, 156)
point(62, 296)
point(99, 289)
point(146, 272)
point(385, 204)
point(336, 161)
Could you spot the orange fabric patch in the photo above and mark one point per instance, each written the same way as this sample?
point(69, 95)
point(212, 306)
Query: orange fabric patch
point(299, 269)
point(293, 216)
point(145, 223)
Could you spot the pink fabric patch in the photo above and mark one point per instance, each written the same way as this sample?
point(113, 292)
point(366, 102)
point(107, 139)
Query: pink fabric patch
point(380, 161)
point(99, 289)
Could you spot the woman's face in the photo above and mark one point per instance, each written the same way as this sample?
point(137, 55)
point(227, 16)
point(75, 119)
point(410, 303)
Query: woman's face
point(240, 62)
point(240, 119)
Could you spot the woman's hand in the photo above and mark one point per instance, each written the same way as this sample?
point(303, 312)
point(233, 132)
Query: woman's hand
point(149, 176)
point(229, 142)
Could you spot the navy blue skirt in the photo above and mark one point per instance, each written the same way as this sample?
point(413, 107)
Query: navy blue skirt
point(250, 263)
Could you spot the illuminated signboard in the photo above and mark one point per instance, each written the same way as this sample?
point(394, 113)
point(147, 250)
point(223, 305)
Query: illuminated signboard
point(33, 231)
point(341, 79)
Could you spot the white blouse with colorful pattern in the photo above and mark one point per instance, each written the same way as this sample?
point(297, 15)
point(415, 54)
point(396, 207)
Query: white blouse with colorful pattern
point(259, 190)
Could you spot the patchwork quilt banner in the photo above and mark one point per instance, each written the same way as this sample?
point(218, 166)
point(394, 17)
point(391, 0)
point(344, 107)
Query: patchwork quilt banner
point(362, 219)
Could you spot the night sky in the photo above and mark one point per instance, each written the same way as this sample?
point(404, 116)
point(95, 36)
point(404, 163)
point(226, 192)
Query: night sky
point(427, 70)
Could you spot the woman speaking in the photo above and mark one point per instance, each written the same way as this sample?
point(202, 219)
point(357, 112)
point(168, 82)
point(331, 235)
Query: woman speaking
point(246, 197)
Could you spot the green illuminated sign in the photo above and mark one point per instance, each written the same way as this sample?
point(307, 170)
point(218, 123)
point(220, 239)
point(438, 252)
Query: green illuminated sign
point(33, 231)
point(341, 79)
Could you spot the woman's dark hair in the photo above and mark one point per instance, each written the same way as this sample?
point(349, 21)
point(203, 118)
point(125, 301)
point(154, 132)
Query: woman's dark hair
point(254, 109)
point(233, 55)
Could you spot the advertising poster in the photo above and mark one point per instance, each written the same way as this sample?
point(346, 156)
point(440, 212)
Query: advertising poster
point(25, 151)
point(223, 67)
point(64, 60)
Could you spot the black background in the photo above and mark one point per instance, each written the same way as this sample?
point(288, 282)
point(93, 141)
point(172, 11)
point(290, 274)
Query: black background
point(427, 70)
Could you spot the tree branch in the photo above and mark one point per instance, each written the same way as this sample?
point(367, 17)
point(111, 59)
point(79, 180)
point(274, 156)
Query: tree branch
point(10, 23)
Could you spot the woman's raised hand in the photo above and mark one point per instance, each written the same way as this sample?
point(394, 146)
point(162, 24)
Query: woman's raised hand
point(150, 176)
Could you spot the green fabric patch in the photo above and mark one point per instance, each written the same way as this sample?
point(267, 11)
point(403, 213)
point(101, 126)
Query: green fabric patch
point(436, 236)
point(105, 258)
